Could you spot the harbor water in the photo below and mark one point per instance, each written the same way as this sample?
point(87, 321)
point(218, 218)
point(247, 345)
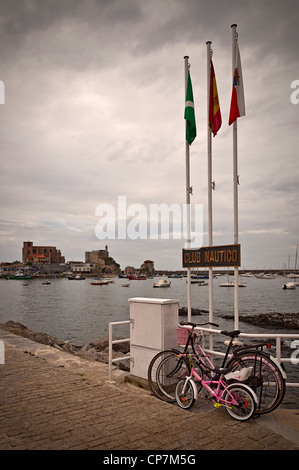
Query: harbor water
point(79, 312)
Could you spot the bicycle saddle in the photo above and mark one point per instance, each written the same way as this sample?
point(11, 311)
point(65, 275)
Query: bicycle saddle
point(232, 334)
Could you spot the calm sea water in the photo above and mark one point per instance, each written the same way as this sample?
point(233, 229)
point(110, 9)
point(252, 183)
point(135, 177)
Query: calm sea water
point(80, 312)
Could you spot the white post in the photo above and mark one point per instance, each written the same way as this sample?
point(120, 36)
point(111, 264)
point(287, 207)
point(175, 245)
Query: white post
point(188, 201)
point(235, 186)
point(2, 353)
point(210, 217)
point(110, 352)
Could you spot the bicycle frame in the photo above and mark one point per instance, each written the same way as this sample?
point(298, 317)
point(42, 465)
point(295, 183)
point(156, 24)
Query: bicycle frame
point(217, 393)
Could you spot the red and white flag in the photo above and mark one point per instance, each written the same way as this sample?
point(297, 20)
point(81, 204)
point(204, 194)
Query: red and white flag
point(237, 107)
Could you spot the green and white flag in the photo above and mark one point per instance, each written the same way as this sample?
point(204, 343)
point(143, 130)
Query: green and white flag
point(189, 113)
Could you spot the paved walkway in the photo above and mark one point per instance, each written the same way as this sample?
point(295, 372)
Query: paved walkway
point(53, 400)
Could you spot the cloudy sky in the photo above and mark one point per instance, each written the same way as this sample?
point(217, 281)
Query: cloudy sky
point(94, 110)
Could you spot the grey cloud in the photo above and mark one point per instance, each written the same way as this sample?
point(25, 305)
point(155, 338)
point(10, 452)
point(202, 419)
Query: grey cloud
point(94, 109)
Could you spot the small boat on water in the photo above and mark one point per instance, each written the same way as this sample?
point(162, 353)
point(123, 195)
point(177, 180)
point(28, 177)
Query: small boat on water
point(107, 280)
point(162, 283)
point(126, 285)
point(232, 284)
point(227, 284)
point(137, 278)
point(46, 283)
point(100, 283)
point(76, 278)
point(265, 276)
point(19, 275)
point(289, 285)
point(202, 283)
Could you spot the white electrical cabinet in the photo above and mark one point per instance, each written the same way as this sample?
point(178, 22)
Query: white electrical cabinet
point(152, 329)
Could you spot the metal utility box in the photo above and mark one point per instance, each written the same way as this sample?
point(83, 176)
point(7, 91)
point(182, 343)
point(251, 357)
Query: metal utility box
point(153, 328)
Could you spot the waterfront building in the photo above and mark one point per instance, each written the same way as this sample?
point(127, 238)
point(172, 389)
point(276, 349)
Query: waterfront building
point(148, 267)
point(80, 267)
point(102, 260)
point(41, 254)
point(97, 256)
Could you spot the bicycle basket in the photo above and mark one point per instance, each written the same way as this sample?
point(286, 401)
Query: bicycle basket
point(182, 335)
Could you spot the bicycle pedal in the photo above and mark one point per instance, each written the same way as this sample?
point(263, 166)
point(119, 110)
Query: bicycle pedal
point(217, 405)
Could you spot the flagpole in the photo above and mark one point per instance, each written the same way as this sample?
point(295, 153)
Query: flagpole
point(210, 216)
point(235, 184)
point(188, 201)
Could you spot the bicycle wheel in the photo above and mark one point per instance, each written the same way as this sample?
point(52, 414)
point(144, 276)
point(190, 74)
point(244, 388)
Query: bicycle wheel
point(169, 373)
point(245, 407)
point(266, 379)
point(184, 394)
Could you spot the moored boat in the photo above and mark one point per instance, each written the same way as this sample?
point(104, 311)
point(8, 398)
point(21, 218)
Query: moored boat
point(202, 283)
point(289, 285)
point(162, 283)
point(19, 275)
point(136, 278)
point(232, 284)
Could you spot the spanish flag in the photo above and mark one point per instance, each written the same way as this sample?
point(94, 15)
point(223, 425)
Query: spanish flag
point(215, 120)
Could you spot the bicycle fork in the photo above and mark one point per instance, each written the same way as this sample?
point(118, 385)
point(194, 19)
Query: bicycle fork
point(189, 379)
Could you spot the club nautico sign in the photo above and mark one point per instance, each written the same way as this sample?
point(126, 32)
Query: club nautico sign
point(212, 256)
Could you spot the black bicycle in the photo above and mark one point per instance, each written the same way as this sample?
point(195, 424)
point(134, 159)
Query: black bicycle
point(267, 378)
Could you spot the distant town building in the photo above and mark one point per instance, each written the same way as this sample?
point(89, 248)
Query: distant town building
point(97, 256)
point(41, 254)
point(80, 267)
point(129, 270)
point(147, 267)
point(102, 260)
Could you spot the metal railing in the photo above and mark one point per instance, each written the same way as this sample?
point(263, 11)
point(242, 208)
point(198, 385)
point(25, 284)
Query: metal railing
point(277, 336)
point(112, 342)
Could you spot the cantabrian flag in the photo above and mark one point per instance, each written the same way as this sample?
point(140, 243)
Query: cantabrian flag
point(215, 119)
point(189, 113)
point(237, 107)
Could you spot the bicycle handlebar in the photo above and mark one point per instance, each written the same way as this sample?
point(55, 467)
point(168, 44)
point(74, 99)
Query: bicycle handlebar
point(197, 324)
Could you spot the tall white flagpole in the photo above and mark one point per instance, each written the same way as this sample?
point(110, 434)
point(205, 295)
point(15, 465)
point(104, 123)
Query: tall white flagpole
point(210, 216)
point(235, 184)
point(188, 201)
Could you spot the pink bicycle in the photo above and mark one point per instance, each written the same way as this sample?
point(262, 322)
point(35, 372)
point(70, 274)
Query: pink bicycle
point(238, 398)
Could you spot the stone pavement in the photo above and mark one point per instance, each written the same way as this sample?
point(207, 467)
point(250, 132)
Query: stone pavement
point(51, 400)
